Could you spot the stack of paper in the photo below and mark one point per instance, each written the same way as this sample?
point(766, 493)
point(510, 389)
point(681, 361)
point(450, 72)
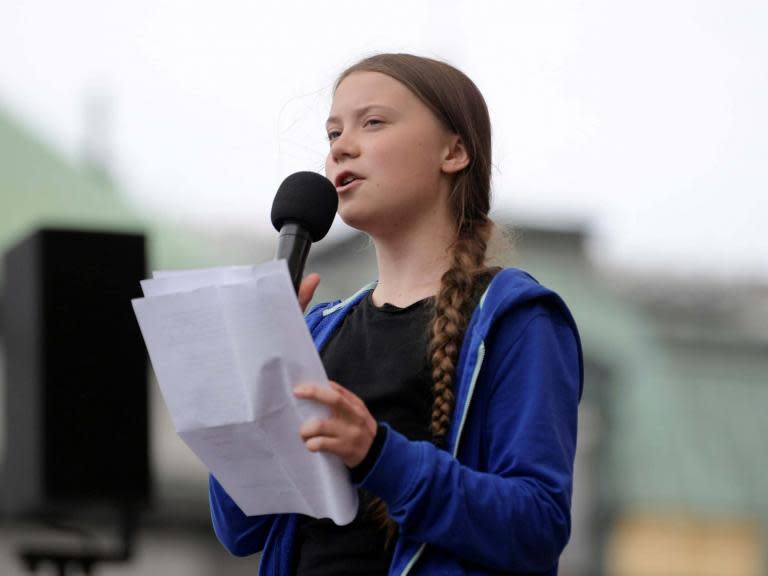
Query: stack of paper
point(228, 345)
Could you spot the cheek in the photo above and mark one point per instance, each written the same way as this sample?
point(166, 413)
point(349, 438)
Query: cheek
point(408, 158)
point(418, 162)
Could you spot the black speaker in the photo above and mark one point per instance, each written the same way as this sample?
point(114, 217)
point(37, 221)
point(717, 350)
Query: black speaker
point(76, 425)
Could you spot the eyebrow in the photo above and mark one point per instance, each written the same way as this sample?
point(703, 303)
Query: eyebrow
point(360, 112)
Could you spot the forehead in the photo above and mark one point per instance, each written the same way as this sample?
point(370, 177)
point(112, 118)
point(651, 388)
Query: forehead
point(365, 89)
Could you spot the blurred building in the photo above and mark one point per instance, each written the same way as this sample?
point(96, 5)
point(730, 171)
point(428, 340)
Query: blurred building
point(670, 467)
point(689, 463)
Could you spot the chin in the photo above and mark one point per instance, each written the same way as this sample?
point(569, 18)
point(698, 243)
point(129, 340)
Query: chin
point(354, 220)
point(370, 219)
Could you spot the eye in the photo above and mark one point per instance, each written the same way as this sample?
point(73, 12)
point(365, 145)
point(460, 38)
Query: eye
point(333, 134)
point(373, 122)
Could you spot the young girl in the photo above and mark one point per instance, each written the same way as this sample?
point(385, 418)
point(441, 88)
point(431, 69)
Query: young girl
point(454, 385)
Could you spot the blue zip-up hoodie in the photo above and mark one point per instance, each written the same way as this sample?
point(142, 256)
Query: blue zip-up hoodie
point(497, 499)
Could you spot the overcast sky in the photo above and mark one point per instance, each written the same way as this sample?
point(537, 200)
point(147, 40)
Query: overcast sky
point(646, 120)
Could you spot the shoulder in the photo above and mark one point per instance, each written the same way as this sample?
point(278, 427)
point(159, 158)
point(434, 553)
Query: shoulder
point(518, 316)
point(326, 311)
point(317, 310)
point(514, 297)
point(318, 313)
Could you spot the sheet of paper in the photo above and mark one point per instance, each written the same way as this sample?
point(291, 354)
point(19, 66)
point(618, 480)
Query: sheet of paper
point(172, 281)
point(228, 345)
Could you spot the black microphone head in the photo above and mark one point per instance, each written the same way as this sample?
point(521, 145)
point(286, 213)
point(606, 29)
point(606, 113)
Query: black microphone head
point(308, 199)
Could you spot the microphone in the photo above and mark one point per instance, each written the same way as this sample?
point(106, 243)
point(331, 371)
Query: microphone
point(302, 211)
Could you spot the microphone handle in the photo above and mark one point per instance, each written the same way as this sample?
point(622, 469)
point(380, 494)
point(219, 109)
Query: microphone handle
point(293, 245)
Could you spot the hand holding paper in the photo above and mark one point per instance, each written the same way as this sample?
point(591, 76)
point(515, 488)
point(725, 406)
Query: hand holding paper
point(228, 345)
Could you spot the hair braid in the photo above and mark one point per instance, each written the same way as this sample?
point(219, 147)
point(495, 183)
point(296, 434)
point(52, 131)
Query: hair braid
point(453, 307)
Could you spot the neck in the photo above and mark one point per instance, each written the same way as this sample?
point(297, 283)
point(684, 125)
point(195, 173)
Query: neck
point(412, 262)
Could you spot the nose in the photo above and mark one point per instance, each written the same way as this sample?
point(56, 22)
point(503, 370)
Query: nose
point(345, 145)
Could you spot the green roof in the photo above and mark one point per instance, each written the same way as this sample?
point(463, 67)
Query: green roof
point(37, 186)
point(40, 188)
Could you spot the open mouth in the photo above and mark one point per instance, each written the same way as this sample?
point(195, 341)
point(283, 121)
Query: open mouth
point(344, 179)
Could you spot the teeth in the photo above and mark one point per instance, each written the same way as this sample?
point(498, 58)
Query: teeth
point(348, 179)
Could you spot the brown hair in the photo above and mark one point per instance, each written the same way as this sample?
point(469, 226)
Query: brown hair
point(458, 104)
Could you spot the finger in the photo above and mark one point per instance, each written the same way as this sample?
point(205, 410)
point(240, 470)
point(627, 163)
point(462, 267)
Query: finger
point(314, 427)
point(349, 395)
point(307, 289)
point(323, 394)
point(336, 446)
point(338, 387)
point(327, 444)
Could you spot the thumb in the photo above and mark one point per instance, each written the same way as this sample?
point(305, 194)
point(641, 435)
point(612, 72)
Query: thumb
point(307, 289)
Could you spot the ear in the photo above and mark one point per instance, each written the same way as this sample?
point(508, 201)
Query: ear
point(456, 157)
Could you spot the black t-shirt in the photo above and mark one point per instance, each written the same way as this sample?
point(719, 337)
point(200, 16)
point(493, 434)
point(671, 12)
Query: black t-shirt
point(380, 354)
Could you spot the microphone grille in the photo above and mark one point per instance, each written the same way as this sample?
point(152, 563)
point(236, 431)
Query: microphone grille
point(308, 199)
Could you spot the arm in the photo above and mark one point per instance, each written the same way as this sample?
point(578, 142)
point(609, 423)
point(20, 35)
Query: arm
point(516, 515)
point(240, 534)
